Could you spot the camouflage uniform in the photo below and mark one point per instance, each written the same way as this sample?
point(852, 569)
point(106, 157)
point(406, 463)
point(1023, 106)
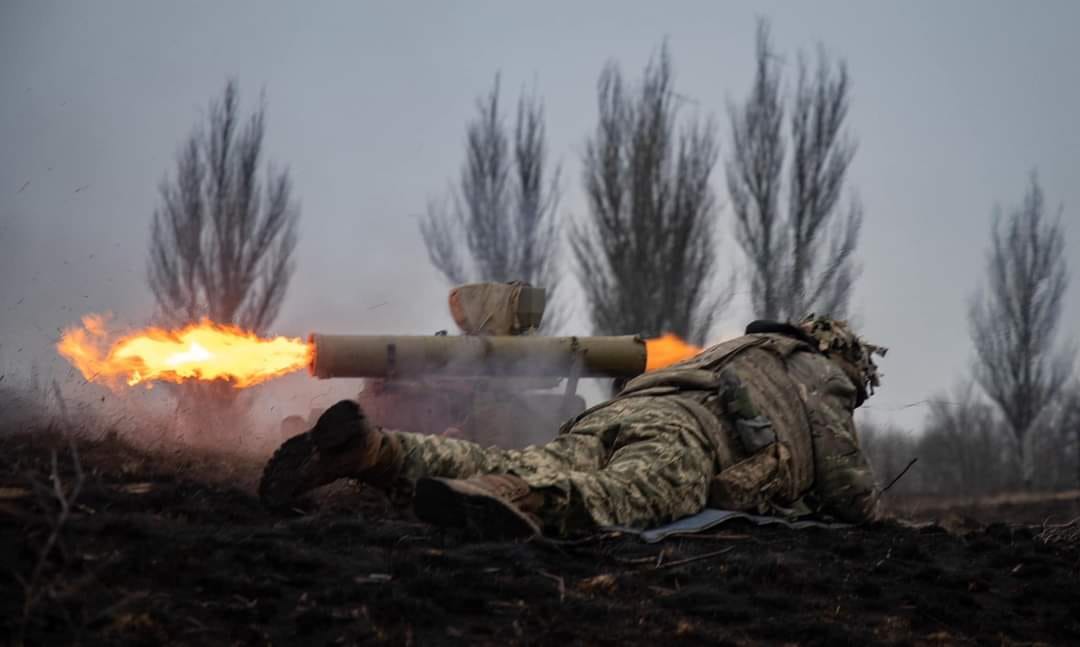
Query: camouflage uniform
point(761, 423)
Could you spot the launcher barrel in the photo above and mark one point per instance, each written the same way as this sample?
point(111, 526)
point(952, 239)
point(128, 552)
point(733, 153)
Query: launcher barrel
point(475, 356)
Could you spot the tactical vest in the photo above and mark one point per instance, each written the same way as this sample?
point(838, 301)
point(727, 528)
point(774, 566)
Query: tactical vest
point(756, 363)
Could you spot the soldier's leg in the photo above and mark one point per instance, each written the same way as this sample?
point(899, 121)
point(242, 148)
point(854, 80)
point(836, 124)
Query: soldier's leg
point(343, 444)
point(657, 469)
point(637, 462)
point(491, 491)
point(444, 457)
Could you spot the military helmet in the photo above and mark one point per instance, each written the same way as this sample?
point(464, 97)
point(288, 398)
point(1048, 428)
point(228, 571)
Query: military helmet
point(836, 339)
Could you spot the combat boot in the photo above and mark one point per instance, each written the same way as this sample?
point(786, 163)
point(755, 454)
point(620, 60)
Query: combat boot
point(495, 506)
point(342, 444)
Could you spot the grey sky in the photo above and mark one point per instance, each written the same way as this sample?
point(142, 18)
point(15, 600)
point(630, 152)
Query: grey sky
point(953, 104)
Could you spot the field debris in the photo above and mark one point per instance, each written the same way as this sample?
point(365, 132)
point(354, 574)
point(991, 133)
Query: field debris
point(150, 549)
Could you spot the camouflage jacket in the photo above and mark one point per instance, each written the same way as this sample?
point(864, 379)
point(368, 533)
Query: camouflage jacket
point(780, 413)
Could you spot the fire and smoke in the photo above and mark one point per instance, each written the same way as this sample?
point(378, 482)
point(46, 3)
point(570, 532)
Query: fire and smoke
point(209, 351)
point(202, 351)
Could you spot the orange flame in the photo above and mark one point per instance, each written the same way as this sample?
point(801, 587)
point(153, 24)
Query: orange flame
point(666, 350)
point(202, 351)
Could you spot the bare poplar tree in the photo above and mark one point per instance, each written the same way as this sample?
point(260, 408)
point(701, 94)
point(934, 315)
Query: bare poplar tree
point(800, 259)
point(501, 221)
point(221, 243)
point(647, 251)
point(1014, 318)
point(222, 240)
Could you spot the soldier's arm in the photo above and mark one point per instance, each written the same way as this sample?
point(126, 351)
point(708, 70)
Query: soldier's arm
point(844, 481)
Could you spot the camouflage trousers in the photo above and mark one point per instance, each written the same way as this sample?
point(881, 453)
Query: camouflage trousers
point(637, 462)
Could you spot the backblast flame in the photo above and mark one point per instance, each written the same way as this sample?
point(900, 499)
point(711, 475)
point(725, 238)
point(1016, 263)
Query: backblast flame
point(202, 351)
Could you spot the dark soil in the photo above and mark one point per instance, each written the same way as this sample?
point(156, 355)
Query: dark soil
point(1036, 508)
point(173, 548)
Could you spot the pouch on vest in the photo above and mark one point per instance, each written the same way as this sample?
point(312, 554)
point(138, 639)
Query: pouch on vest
point(756, 483)
point(755, 431)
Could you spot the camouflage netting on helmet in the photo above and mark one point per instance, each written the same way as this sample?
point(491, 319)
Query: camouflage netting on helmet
point(836, 339)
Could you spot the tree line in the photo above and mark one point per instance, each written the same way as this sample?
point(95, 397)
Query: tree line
point(1024, 430)
point(646, 252)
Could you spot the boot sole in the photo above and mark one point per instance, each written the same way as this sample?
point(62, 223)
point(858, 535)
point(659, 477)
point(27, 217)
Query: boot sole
point(291, 469)
point(455, 504)
point(283, 474)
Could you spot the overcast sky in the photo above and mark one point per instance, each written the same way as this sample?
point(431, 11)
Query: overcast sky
point(954, 103)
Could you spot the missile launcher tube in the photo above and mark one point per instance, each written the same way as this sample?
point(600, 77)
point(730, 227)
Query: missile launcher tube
point(393, 356)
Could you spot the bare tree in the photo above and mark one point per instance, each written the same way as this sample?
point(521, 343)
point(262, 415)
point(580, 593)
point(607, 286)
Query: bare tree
point(803, 261)
point(501, 222)
point(647, 251)
point(221, 242)
point(961, 450)
point(889, 449)
point(1014, 319)
point(1055, 442)
point(963, 447)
